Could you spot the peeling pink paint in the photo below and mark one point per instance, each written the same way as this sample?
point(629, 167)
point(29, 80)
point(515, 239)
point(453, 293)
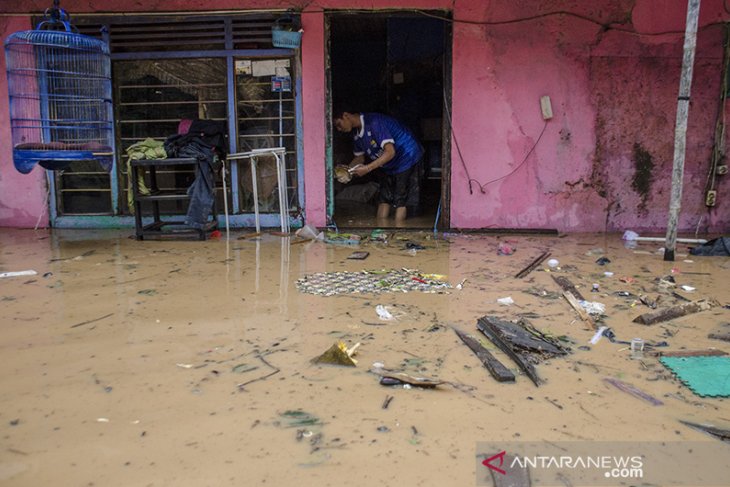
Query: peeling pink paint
point(610, 91)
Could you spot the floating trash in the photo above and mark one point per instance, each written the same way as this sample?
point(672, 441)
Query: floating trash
point(18, 273)
point(338, 354)
point(297, 418)
point(342, 238)
point(593, 307)
point(372, 281)
point(383, 313)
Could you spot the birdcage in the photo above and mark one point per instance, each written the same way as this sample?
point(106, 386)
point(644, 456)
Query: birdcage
point(59, 85)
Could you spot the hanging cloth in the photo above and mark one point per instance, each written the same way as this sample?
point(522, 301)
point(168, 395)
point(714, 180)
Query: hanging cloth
point(202, 191)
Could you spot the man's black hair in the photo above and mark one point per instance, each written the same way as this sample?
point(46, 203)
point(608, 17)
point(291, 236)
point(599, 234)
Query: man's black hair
point(337, 112)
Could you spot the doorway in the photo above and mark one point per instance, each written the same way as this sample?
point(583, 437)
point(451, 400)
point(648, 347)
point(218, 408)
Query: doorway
point(395, 63)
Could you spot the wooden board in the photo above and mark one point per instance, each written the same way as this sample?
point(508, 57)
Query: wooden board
point(678, 311)
point(490, 362)
point(568, 286)
point(489, 326)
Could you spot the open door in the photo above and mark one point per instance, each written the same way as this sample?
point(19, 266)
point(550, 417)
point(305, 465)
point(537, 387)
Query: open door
point(397, 64)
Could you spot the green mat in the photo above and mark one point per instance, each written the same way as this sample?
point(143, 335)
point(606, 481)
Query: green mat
point(705, 376)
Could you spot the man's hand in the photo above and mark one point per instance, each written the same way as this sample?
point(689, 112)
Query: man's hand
point(360, 170)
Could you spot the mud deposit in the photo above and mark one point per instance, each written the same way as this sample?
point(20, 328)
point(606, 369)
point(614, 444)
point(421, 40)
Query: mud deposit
point(130, 363)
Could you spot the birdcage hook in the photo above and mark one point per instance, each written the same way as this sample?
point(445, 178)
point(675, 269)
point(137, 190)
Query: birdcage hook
point(56, 18)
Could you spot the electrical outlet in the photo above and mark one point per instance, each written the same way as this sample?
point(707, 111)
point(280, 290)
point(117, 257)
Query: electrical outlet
point(546, 107)
point(720, 170)
point(710, 198)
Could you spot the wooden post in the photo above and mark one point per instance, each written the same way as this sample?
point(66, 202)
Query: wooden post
point(680, 130)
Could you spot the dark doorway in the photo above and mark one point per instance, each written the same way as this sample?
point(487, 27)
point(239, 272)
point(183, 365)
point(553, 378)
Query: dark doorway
point(396, 64)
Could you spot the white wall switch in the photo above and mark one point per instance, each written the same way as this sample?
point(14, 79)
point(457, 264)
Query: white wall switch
point(546, 107)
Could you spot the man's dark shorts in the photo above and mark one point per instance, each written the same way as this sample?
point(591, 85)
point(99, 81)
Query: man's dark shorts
point(402, 189)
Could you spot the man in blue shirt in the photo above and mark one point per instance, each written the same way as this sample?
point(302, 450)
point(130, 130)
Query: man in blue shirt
point(381, 142)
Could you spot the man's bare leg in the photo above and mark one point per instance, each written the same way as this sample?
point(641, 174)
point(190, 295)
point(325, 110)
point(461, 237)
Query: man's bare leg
point(400, 216)
point(383, 213)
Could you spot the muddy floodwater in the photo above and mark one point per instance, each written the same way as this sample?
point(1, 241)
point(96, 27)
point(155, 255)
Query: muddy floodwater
point(186, 363)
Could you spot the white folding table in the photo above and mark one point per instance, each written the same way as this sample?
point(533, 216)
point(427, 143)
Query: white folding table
point(279, 154)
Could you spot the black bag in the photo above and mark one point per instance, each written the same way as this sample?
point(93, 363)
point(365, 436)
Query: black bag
point(718, 246)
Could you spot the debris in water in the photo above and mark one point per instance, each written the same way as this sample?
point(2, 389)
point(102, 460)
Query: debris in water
point(338, 354)
point(383, 313)
point(524, 346)
point(675, 312)
point(406, 379)
point(634, 391)
point(490, 362)
point(17, 273)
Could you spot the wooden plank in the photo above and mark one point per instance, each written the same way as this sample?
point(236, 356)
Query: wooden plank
point(568, 286)
point(712, 352)
point(532, 265)
point(489, 326)
point(634, 391)
point(678, 311)
point(723, 434)
point(720, 336)
point(582, 313)
point(518, 335)
point(490, 362)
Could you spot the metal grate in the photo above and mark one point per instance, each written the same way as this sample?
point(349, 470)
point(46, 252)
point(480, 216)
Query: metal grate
point(266, 119)
point(152, 96)
point(175, 33)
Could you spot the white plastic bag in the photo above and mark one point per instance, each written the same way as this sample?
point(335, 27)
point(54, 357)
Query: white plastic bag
point(593, 308)
point(383, 313)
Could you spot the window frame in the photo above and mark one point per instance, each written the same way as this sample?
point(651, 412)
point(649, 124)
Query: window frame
point(230, 54)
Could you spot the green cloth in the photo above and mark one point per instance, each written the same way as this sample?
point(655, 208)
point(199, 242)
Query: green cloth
point(147, 149)
point(705, 376)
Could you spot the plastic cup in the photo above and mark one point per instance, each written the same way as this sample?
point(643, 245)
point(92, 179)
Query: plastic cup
point(637, 348)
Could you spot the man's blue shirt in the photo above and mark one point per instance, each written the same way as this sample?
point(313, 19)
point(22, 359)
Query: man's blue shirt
point(378, 130)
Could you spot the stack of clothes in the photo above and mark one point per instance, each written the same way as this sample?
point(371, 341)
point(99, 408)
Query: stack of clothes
point(205, 141)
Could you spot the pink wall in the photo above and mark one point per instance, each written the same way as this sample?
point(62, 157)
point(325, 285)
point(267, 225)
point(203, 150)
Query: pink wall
point(314, 125)
point(22, 197)
point(613, 97)
point(610, 91)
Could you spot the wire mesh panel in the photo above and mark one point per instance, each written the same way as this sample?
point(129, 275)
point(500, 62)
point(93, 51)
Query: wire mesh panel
point(59, 85)
point(266, 116)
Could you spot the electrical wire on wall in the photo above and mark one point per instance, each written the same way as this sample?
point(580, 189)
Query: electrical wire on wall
point(717, 161)
point(463, 163)
point(605, 26)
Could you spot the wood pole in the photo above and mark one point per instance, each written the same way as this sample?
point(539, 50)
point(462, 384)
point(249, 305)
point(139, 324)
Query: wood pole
point(680, 130)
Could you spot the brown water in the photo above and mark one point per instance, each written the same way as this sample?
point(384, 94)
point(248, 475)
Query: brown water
point(122, 360)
